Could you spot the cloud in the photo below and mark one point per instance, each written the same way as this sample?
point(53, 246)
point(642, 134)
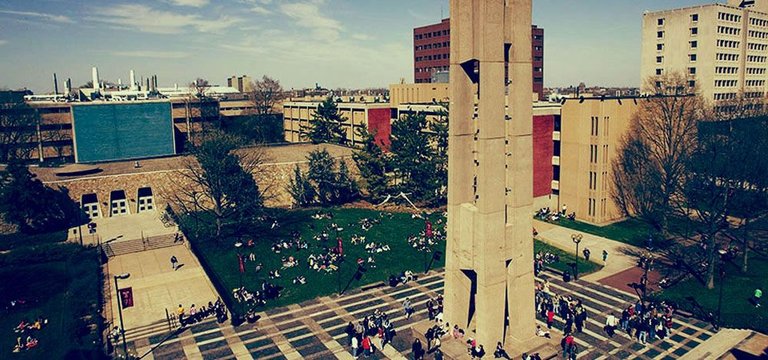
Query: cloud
point(3, 42)
point(362, 37)
point(192, 3)
point(50, 17)
point(260, 10)
point(307, 15)
point(152, 54)
point(146, 19)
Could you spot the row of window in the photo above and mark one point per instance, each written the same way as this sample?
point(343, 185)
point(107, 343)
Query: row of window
point(432, 34)
point(755, 94)
point(726, 70)
point(433, 57)
point(758, 34)
point(727, 30)
point(755, 83)
point(727, 57)
point(725, 96)
point(728, 44)
point(430, 69)
point(755, 71)
point(594, 154)
point(756, 59)
point(662, 21)
point(691, 58)
point(595, 126)
point(660, 85)
point(433, 46)
point(592, 212)
point(757, 47)
point(728, 17)
point(726, 83)
point(758, 22)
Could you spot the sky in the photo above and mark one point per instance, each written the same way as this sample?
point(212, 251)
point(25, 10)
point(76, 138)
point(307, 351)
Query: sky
point(335, 43)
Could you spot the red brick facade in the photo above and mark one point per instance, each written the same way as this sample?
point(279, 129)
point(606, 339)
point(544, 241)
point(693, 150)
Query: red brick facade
point(432, 48)
point(543, 148)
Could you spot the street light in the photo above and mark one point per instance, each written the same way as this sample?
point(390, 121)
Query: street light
point(576, 240)
point(120, 310)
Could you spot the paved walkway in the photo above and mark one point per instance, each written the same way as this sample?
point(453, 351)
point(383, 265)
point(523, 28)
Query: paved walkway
point(618, 258)
point(156, 286)
point(315, 329)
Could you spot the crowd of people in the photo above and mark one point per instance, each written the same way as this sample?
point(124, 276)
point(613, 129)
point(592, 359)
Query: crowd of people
point(643, 322)
point(267, 291)
point(25, 340)
point(547, 214)
point(542, 259)
point(370, 334)
point(194, 314)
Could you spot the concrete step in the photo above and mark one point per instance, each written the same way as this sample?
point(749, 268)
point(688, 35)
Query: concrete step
point(718, 345)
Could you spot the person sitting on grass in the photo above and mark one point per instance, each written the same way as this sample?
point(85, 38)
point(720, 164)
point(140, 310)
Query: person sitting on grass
point(300, 280)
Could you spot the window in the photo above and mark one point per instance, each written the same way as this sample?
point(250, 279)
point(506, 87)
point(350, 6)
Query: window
point(660, 22)
point(694, 31)
point(660, 34)
point(691, 83)
point(694, 17)
point(692, 71)
point(659, 59)
point(659, 71)
point(692, 57)
point(659, 47)
point(694, 44)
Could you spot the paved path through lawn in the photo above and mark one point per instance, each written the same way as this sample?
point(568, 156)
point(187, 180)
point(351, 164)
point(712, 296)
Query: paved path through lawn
point(315, 329)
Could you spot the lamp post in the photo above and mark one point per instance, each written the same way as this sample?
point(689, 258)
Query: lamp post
point(720, 297)
point(576, 240)
point(120, 311)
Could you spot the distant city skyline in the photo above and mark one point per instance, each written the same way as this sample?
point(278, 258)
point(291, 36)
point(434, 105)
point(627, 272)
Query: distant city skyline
point(335, 43)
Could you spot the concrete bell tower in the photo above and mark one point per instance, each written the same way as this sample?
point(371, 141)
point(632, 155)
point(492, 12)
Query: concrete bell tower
point(489, 284)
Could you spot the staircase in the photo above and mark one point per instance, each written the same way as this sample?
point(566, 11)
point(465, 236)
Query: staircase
point(117, 248)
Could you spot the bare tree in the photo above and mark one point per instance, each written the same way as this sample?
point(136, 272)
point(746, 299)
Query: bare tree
point(18, 124)
point(265, 94)
point(652, 160)
point(217, 184)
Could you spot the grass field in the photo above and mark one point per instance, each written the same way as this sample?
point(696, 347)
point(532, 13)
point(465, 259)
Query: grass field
point(62, 286)
point(222, 261)
point(737, 311)
point(17, 240)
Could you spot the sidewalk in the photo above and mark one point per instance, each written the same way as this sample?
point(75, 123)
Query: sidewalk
point(617, 261)
point(156, 286)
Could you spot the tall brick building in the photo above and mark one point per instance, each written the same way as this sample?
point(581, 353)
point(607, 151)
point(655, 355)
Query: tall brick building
point(432, 46)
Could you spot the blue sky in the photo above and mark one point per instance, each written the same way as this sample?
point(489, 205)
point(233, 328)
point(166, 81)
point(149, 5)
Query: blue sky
point(337, 43)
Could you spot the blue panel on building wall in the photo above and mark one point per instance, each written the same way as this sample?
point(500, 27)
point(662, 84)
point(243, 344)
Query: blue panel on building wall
point(108, 132)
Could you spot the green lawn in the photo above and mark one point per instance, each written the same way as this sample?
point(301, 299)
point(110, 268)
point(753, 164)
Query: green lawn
point(17, 240)
point(631, 231)
point(61, 283)
point(585, 267)
point(737, 311)
point(221, 259)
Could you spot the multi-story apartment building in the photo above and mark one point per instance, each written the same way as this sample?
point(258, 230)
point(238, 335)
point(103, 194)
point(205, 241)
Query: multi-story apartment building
point(721, 48)
point(374, 117)
point(432, 48)
point(589, 138)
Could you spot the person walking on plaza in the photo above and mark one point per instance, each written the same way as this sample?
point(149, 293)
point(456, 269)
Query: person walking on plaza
point(610, 325)
point(355, 345)
point(408, 308)
point(586, 253)
point(605, 256)
point(757, 296)
point(417, 350)
point(174, 262)
point(500, 352)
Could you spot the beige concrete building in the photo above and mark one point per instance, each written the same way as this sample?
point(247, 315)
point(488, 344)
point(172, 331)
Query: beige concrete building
point(243, 84)
point(417, 93)
point(373, 116)
point(721, 48)
point(590, 135)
